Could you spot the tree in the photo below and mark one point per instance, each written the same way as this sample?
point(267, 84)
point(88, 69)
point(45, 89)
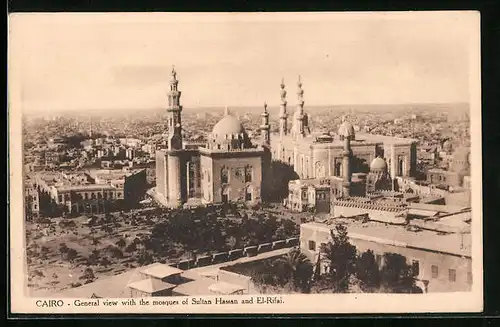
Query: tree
point(121, 243)
point(396, 275)
point(88, 274)
point(367, 271)
point(63, 249)
point(341, 256)
point(71, 254)
point(298, 270)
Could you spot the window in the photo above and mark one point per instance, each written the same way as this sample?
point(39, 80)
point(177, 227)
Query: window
point(434, 271)
point(110, 195)
point(224, 176)
point(312, 245)
point(415, 266)
point(35, 206)
point(92, 196)
point(119, 194)
point(248, 194)
point(337, 168)
point(225, 195)
point(248, 174)
point(99, 195)
point(105, 195)
point(452, 275)
point(60, 198)
point(86, 196)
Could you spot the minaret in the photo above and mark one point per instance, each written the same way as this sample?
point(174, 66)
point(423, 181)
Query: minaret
point(265, 128)
point(346, 160)
point(174, 110)
point(299, 117)
point(283, 115)
point(174, 157)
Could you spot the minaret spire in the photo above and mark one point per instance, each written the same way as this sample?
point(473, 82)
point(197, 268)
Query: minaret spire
point(283, 115)
point(265, 127)
point(299, 117)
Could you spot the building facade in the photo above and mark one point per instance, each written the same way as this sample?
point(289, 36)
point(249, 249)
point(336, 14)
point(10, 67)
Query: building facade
point(95, 191)
point(446, 269)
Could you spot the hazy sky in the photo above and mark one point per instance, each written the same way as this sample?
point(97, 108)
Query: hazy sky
point(80, 61)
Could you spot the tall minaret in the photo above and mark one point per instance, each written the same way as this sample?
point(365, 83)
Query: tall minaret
point(265, 127)
point(299, 116)
point(174, 154)
point(346, 132)
point(174, 110)
point(283, 115)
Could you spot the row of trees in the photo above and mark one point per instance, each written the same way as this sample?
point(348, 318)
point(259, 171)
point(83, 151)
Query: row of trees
point(346, 270)
point(209, 233)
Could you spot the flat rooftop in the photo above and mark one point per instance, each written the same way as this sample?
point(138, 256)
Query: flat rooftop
point(225, 288)
point(160, 270)
point(397, 235)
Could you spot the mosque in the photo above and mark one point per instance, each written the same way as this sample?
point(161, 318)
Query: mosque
point(231, 168)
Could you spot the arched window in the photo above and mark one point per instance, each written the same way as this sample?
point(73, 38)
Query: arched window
point(99, 195)
point(248, 174)
point(338, 167)
point(307, 167)
point(224, 175)
point(302, 166)
point(320, 170)
point(92, 196)
point(400, 166)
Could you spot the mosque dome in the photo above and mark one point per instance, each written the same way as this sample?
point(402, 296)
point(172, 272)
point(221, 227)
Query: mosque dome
point(228, 125)
point(346, 129)
point(229, 134)
point(378, 164)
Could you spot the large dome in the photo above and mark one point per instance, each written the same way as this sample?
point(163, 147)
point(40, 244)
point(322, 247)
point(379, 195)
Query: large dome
point(228, 125)
point(378, 164)
point(346, 129)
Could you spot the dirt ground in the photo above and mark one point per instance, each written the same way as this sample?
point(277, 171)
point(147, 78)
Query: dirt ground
point(49, 270)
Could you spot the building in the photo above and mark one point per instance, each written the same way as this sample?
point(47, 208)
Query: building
point(438, 250)
point(228, 167)
point(94, 191)
point(320, 155)
point(31, 200)
point(458, 173)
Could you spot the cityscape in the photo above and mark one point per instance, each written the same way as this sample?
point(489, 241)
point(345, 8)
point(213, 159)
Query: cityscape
point(278, 197)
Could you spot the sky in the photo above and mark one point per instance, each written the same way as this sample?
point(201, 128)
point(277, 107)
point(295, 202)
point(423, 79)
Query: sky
point(123, 61)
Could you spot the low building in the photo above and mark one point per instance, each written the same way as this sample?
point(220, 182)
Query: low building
point(441, 258)
point(95, 191)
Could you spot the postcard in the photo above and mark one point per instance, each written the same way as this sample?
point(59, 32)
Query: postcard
point(245, 163)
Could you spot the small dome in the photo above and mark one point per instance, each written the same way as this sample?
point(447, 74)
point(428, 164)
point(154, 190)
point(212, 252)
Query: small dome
point(378, 164)
point(228, 125)
point(346, 129)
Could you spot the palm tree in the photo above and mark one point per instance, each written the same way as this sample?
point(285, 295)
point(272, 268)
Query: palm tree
point(297, 268)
